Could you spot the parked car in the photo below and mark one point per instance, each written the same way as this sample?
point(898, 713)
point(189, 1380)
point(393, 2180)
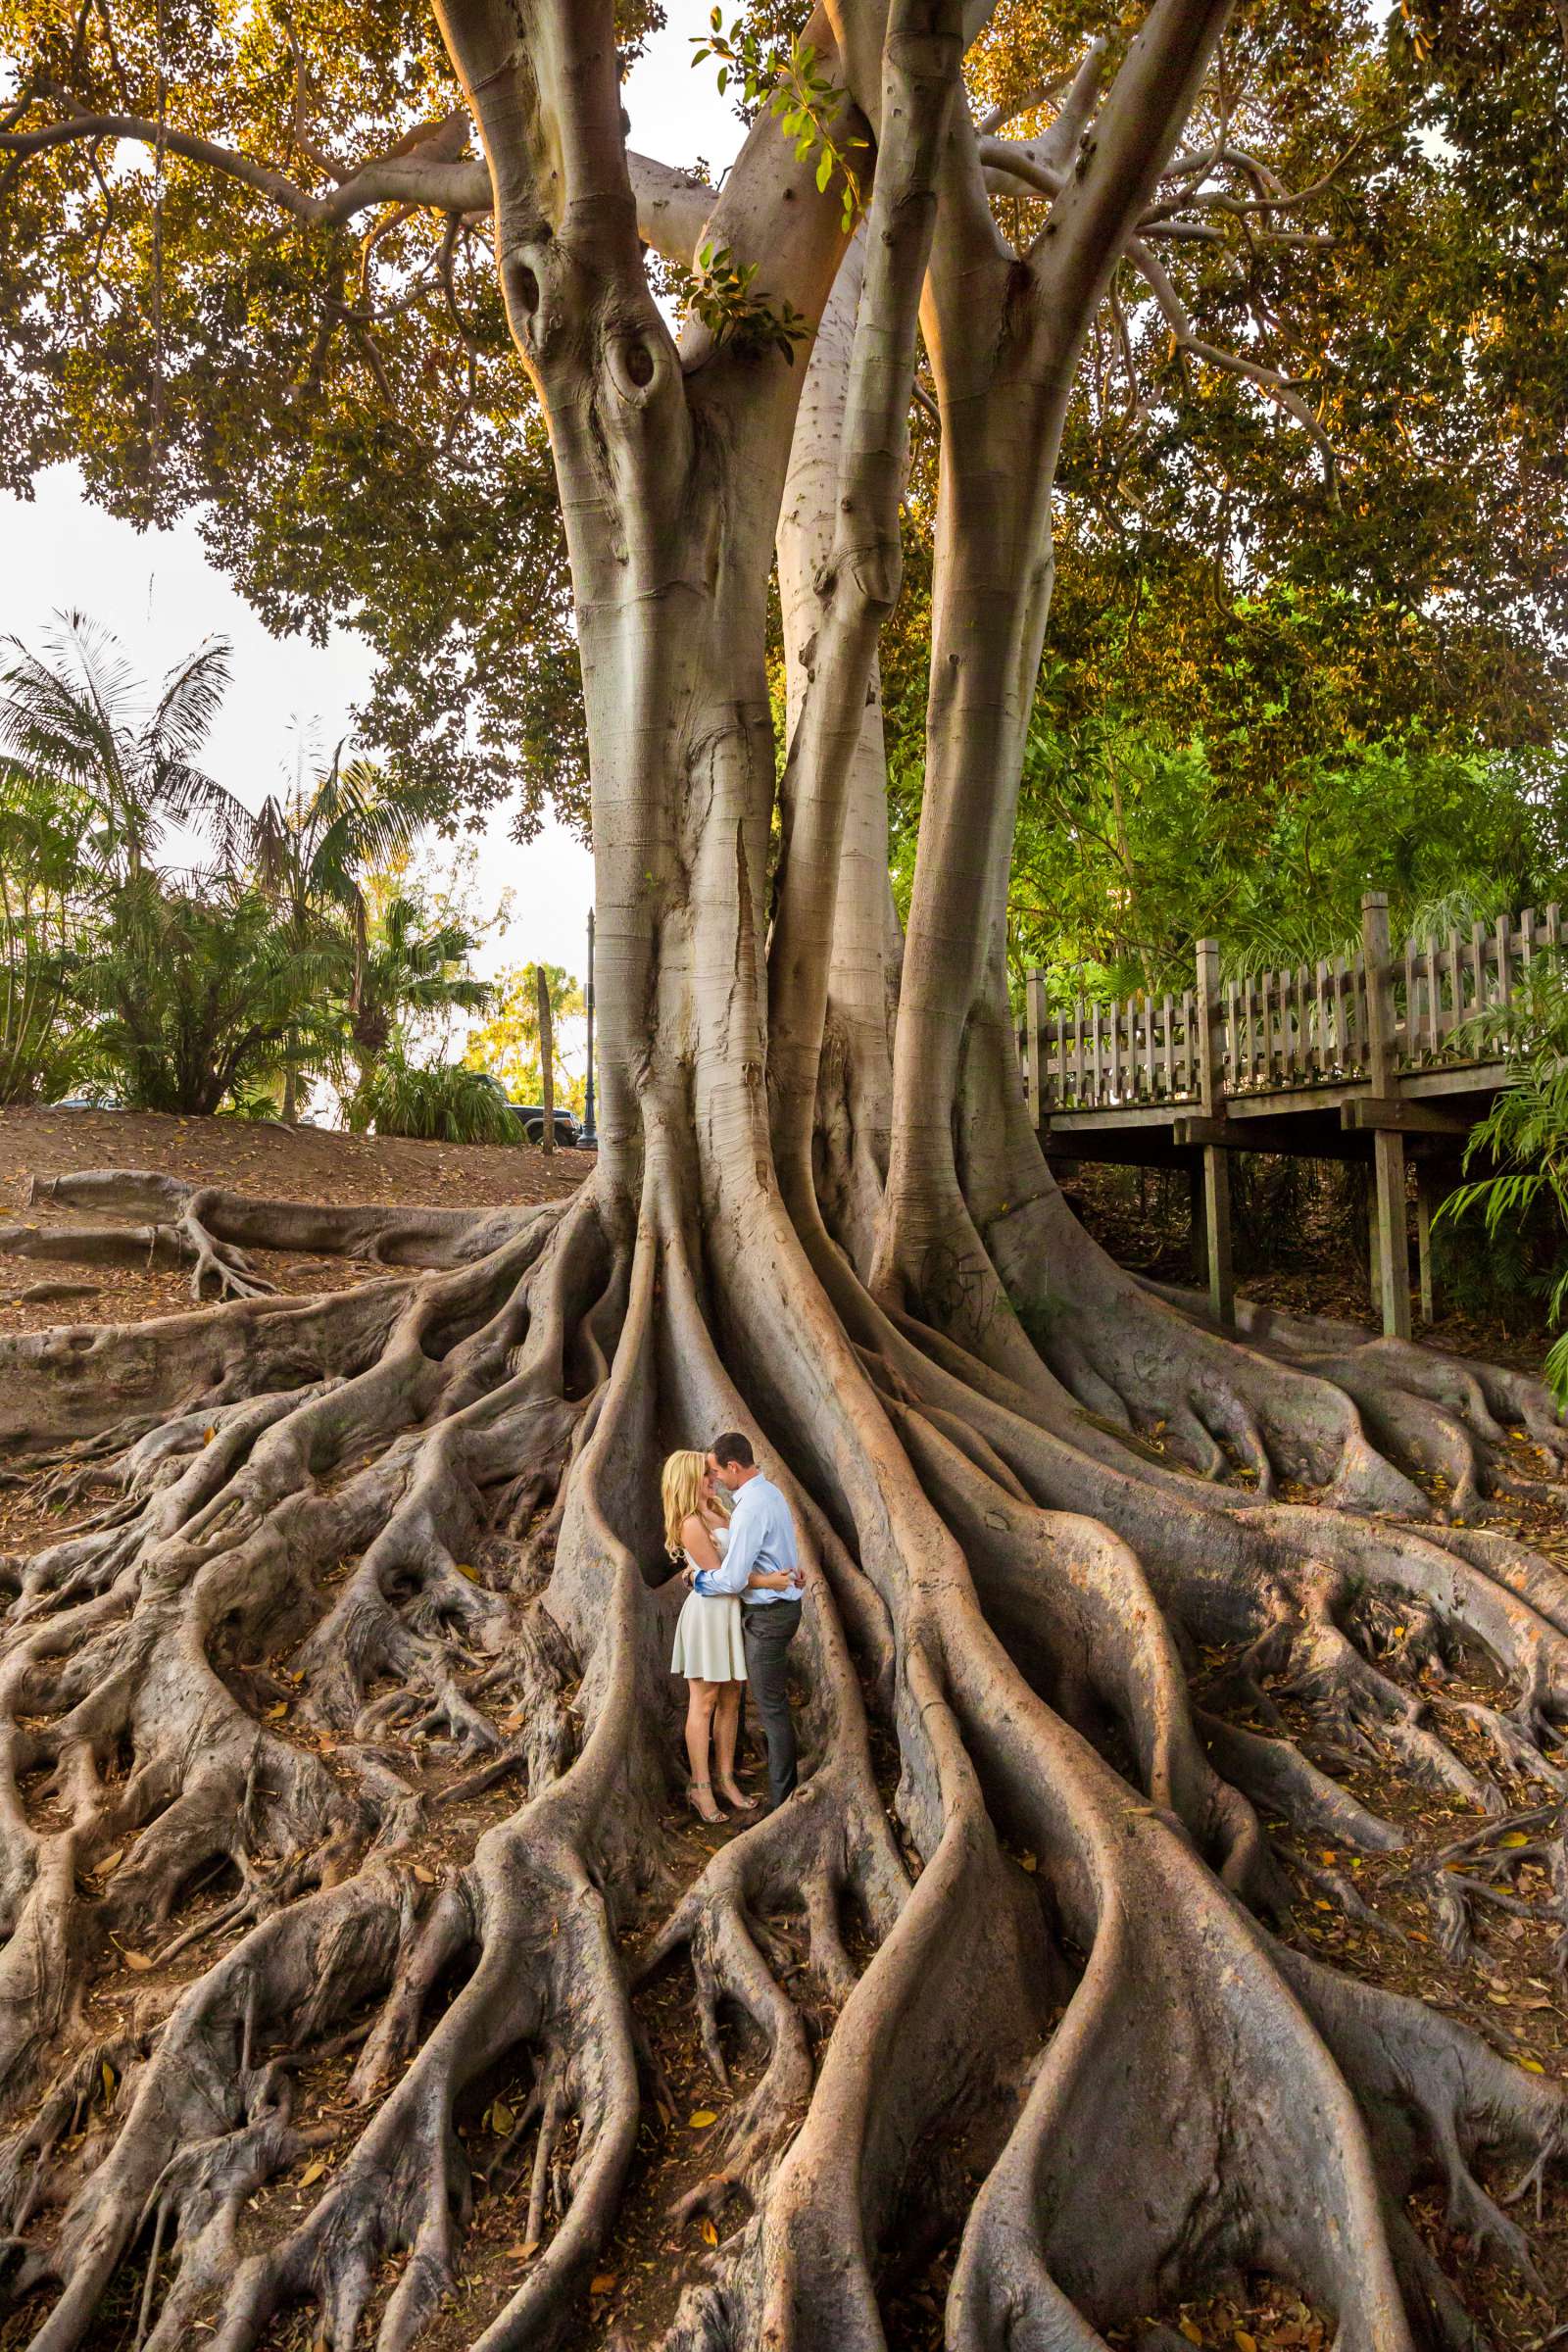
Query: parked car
point(88, 1102)
point(531, 1117)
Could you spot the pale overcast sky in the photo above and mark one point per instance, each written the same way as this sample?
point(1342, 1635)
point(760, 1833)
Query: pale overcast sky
point(158, 595)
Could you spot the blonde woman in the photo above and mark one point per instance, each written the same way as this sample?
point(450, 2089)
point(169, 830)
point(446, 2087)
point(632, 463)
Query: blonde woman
point(708, 1648)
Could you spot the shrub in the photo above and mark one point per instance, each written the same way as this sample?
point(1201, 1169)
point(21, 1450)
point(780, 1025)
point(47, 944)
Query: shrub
point(447, 1104)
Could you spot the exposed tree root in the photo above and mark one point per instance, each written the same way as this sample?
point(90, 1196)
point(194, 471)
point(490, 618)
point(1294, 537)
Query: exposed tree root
point(1030, 2008)
point(232, 1222)
point(1448, 1415)
point(1371, 1425)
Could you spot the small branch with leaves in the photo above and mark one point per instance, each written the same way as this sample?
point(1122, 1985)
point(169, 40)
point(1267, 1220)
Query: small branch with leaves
point(789, 80)
point(721, 292)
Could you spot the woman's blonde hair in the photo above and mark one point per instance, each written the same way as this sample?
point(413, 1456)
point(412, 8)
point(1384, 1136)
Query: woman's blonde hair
point(682, 1489)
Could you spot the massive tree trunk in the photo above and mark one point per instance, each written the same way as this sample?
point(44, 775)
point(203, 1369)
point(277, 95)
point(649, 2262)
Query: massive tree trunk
point(1001, 1977)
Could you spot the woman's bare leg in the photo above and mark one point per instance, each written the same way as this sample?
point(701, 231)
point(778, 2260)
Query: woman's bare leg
point(700, 1706)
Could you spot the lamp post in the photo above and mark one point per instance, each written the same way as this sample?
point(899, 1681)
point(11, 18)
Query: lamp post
point(590, 1136)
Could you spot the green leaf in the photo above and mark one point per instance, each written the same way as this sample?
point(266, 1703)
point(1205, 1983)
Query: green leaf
point(824, 171)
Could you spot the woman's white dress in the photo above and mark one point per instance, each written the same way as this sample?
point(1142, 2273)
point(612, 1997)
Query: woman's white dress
point(708, 1648)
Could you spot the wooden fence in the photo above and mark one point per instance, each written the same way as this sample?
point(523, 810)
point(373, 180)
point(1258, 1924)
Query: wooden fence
point(1350, 1034)
point(1310, 1026)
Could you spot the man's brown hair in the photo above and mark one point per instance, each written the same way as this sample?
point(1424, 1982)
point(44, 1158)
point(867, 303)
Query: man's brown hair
point(734, 1451)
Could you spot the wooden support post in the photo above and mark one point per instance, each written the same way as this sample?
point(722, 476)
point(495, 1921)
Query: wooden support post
point(1374, 1278)
point(1216, 1163)
point(1196, 1214)
point(1034, 993)
point(1428, 1192)
point(1391, 1263)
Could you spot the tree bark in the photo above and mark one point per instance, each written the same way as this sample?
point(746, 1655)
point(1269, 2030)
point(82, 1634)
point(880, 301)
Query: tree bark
point(853, 1109)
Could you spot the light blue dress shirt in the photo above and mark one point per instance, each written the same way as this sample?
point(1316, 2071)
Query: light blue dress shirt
point(761, 1535)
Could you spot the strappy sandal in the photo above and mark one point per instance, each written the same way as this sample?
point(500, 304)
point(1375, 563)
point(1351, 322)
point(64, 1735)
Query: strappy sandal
point(739, 1803)
point(696, 1791)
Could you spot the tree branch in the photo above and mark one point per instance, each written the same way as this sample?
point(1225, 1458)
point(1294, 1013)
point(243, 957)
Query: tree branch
point(1268, 380)
point(440, 180)
point(922, 56)
point(426, 171)
point(1122, 156)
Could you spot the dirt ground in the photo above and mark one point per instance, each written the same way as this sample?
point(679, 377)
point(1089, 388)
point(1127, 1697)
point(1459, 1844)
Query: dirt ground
point(1387, 1919)
point(1312, 1259)
point(302, 1163)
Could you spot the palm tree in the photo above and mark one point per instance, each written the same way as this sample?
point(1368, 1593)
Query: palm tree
point(197, 993)
point(406, 970)
point(311, 848)
point(81, 712)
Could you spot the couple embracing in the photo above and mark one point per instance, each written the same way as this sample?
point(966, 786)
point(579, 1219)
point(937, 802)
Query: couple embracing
point(733, 1527)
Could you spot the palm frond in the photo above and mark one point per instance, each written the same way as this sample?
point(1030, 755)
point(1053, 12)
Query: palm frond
point(192, 798)
point(192, 695)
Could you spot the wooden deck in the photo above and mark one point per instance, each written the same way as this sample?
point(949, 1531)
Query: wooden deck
point(1367, 1058)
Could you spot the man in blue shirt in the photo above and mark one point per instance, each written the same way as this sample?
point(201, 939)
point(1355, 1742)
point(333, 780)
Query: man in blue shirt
point(761, 1564)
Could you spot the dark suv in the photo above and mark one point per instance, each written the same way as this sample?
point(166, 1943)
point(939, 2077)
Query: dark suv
point(531, 1117)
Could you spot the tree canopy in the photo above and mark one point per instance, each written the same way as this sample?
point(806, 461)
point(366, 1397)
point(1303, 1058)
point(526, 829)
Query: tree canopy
point(1314, 450)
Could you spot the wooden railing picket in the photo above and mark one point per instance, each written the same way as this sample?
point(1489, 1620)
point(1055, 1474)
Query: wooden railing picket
point(1391, 1246)
point(1034, 990)
point(1303, 1018)
point(1324, 1061)
point(1215, 1158)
